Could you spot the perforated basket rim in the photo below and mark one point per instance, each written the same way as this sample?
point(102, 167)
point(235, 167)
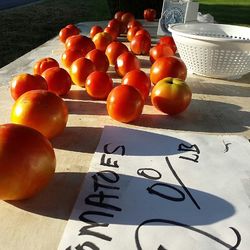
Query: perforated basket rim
point(173, 28)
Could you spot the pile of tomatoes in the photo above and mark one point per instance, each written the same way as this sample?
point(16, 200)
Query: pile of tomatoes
point(40, 113)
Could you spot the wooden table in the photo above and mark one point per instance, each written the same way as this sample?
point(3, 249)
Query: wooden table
point(218, 107)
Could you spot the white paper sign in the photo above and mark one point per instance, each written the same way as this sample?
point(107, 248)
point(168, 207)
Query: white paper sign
point(161, 190)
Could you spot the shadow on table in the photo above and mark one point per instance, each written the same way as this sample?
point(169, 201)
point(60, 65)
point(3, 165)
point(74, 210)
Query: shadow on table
point(78, 139)
point(201, 116)
point(240, 87)
point(86, 108)
point(172, 201)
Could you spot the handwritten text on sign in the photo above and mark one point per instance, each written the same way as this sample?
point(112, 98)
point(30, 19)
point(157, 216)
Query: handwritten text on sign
point(161, 190)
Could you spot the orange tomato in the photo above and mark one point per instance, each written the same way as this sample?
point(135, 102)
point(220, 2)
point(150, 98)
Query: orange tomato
point(131, 32)
point(125, 63)
point(25, 82)
point(69, 56)
point(80, 42)
point(102, 40)
point(170, 66)
point(140, 44)
point(115, 49)
point(160, 50)
point(94, 30)
point(42, 110)
point(69, 30)
point(43, 64)
point(99, 59)
point(27, 162)
point(124, 103)
point(98, 85)
point(139, 80)
point(80, 69)
point(58, 80)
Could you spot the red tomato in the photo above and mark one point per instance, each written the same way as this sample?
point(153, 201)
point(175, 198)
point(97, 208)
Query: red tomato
point(125, 63)
point(124, 103)
point(113, 31)
point(69, 56)
point(168, 40)
point(25, 82)
point(170, 66)
point(42, 110)
point(143, 32)
point(58, 80)
point(118, 15)
point(131, 32)
point(72, 27)
point(115, 24)
point(171, 95)
point(102, 40)
point(80, 42)
point(99, 59)
point(140, 44)
point(98, 85)
point(139, 80)
point(94, 30)
point(27, 162)
point(149, 14)
point(69, 30)
point(127, 17)
point(115, 49)
point(160, 50)
point(43, 64)
point(134, 23)
point(80, 69)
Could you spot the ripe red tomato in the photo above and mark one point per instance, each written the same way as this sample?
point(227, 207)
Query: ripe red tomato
point(127, 17)
point(170, 66)
point(58, 80)
point(115, 24)
point(102, 40)
point(171, 95)
point(25, 82)
point(113, 31)
point(118, 15)
point(134, 23)
point(98, 85)
point(27, 162)
point(124, 103)
point(149, 14)
point(143, 32)
point(140, 44)
point(99, 59)
point(125, 63)
point(115, 49)
point(80, 69)
point(69, 30)
point(168, 40)
point(43, 64)
point(69, 56)
point(131, 32)
point(139, 80)
point(94, 30)
point(160, 50)
point(42, 110)
point(80, 42)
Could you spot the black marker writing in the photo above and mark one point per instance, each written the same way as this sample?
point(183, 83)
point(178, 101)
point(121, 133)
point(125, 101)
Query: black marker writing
point(175, 223)
point(148, 173)
point(181, 183)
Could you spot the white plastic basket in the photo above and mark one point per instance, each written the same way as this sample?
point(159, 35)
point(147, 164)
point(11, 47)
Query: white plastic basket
point(213, 50)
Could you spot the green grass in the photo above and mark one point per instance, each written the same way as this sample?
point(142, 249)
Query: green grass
point(25, 28)
point(227, 11)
